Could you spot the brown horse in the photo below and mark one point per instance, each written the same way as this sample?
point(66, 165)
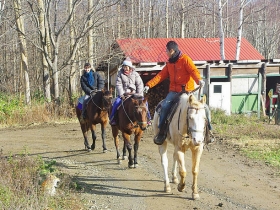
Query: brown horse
point(97, 113)
point(131, 119)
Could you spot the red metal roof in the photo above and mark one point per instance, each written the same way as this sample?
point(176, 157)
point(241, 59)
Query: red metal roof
point(199, 49)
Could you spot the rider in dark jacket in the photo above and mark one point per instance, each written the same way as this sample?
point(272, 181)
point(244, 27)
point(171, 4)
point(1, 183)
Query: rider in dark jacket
point(91, 82)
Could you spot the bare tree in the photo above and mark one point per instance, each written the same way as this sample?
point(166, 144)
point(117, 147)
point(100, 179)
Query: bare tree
point(2, 6)
point(23, 48)
point(243, 3)
point(166, 19)
point(73, 73)
point(46, 72)
point(221, 30)
point(90, 33)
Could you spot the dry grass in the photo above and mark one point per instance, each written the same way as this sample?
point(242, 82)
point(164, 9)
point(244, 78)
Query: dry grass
point(254, 137)
point(20, 181)
point(36, 114)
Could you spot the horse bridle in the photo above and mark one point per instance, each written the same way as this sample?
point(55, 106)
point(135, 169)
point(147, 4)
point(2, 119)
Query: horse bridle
point(135, 108)
point(102, 109)
point(189, 130)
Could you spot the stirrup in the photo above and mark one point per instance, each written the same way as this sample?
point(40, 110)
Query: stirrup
point(113, 122)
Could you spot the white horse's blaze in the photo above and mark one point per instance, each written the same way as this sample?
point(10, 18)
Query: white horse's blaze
point(192, 111)
point(196, 124)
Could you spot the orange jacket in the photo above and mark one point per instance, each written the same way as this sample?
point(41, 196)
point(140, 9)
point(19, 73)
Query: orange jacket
point(183, 72)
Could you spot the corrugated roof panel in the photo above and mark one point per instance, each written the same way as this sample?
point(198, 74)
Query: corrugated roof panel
point(199, 49)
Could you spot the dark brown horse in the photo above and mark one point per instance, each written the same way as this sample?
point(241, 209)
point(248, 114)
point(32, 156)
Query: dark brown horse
point(96, 113)
point(131, 119)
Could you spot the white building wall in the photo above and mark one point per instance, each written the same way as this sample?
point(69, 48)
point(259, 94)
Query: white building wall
point(244, 85)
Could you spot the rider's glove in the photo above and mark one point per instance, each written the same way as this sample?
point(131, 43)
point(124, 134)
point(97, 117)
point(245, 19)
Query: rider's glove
point(146, 88)
point(92, 92)
point(201, 83)
point(123, 97)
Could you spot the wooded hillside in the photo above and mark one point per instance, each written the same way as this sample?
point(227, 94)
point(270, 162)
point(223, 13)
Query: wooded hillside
point(44, 43)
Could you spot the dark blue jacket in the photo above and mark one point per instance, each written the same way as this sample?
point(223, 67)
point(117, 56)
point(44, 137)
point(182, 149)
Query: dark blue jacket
point(98, 82)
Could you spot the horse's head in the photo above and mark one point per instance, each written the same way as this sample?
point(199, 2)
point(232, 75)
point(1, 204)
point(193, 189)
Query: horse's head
point(107, 99)
point(196, 119)
point(140, 110)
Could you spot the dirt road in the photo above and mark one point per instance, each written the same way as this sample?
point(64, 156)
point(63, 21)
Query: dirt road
point(226, 180)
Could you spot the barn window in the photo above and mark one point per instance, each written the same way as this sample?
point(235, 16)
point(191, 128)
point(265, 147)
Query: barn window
point(217, 88)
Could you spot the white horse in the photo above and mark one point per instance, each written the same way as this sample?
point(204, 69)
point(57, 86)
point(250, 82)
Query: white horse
point(186, 130)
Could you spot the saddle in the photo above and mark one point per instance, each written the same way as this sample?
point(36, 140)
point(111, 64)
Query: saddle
point(161, 136)
point(171, 113)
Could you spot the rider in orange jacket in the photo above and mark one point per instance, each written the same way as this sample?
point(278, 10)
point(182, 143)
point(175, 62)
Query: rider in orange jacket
point(182, 72)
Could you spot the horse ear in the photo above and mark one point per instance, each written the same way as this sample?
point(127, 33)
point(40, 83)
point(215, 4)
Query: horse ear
point(203, 100)
point(191, 99)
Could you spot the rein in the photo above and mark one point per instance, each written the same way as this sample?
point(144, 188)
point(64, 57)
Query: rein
point(126, 113)
point(102, 109)
point(138, 123)
point(189, 130)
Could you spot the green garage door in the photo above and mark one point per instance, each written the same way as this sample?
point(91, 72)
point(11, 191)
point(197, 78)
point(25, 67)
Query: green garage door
point(242, 103)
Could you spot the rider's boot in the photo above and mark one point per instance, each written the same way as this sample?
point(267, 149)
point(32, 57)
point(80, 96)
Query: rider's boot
point(83, 115)
point(113, 121)
point(162, 134)
point(210, 137)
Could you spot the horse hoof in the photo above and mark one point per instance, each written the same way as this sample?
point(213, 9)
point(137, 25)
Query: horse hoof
point(181, 187)
point(87, 148)
point(195, 196)
point(119, 161)
point(175, 180)
point(136, 165)
point(124, 157)
point(167, 188)
point(105, 150)
point(130, 165)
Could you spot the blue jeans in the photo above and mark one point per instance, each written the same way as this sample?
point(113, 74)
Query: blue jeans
point(208, 116)
point(148, 112)
point(165, 107)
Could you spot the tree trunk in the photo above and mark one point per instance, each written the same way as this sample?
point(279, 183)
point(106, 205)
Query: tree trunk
point(222, 36)
point(166, 19)
point(90, 35)
point(183, 19)
point(46, 72)
point(243, 3)
point(73, 74)
point(23, 49)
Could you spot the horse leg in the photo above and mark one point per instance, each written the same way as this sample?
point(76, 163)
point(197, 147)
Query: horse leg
point(137, 139)
point(174, 170)
point(179, 155)
point(87, 147)
point(124, 157)
point(115, 132)
point(196, 155)
point(164, 162)
point(85, 131)
point(93, 136)
point(126, 138)
point(103, 131)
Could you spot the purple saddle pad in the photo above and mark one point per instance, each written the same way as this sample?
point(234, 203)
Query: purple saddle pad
point(80, 102)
